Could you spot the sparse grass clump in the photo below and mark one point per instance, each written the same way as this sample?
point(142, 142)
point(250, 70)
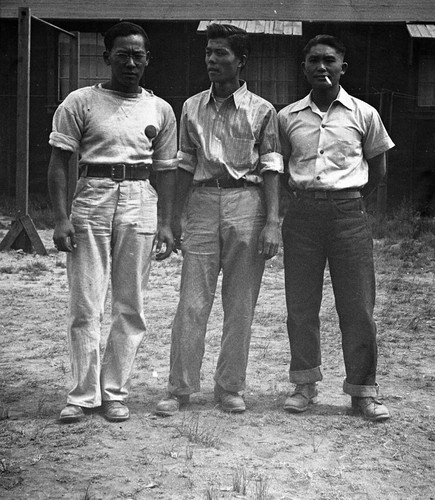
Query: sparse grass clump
point(211, 493)
point(261, 488)
point(89, 495)
point(240, 480)
point(8, 270)
point(35, 268)
point(404, 223)
point(406, 235)
point(200, 432)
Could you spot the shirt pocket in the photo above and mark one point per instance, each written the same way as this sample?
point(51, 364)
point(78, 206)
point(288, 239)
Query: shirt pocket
point(239, 152)
point(343, 150)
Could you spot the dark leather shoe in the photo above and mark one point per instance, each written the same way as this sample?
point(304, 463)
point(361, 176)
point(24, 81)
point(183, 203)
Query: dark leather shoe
point(302, 397)
point(370, 408)
point(71, 413)
point(115, 411)
point(231, 402)
point(170, 404)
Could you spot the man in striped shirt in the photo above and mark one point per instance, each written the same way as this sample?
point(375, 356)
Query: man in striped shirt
point(229, 161)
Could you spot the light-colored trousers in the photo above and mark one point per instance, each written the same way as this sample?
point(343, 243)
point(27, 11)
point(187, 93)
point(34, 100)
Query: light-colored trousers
point(115, 225)
point(222, 231)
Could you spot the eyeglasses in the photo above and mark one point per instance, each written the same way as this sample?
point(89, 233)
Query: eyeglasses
point(138, 57)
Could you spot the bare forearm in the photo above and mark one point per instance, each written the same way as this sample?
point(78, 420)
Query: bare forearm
point(377, 171)
point(184, 183)
point(58, 182)
point(271, 193)
point(64, 234)
point(166, 183)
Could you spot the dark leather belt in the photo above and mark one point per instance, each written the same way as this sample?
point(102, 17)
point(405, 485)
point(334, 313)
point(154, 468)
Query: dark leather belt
point(117, 171)
point(343, 194)
point(226, 183)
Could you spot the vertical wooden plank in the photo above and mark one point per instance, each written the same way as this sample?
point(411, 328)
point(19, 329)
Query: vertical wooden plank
point(74, 61)
point(381, 190)
point(368, 62)
point(74, 82)
point(23, 107)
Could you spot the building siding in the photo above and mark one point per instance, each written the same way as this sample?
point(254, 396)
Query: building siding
point(178, 10)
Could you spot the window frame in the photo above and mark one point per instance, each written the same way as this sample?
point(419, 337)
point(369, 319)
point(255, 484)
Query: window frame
point(426, 80)
point(92, 66)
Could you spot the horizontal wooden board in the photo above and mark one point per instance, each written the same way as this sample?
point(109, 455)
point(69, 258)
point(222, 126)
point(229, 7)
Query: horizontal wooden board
point(422, 11)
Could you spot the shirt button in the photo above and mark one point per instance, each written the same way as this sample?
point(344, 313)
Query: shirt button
point(318, 177)
point(321, 151)
point(323, 125)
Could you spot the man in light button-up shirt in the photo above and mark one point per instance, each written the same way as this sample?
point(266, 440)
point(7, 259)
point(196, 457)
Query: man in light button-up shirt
point(331, 150)
point(229, 158)
point(334, 150)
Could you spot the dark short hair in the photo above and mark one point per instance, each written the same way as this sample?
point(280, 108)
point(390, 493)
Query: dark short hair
point(237, 37)
point(329, 40)
point(124, 28)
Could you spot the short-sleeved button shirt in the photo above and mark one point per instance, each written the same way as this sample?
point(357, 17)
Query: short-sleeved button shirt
point(329, 151)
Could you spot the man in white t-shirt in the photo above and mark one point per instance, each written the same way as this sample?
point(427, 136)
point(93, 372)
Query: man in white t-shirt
point(121, 131)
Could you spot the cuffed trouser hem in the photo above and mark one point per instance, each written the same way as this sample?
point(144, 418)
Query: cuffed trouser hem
point(361, 391)
point(306, 376)
point(230, 388)
point(75, 402)
point(185, 391)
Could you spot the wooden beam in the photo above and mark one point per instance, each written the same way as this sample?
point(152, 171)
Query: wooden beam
point(74, 83)
point(23, 234)
point(23, 107)
point(382, 188)
point(360, 11)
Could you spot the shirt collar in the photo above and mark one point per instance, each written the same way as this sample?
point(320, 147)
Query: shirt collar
point(237, 96)
point(343, 98)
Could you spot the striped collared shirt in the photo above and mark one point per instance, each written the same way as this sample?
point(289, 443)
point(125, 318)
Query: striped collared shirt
point(329, 151)
point(239, 138)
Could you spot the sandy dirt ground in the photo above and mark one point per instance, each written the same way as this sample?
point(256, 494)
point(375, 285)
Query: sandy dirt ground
point(202, 453)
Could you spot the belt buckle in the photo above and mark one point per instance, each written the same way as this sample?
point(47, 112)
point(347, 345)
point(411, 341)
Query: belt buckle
point(117, 172)
point(320, 195)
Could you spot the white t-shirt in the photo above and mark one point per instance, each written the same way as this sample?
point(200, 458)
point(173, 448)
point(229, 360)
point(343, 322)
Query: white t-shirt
point(111, 127)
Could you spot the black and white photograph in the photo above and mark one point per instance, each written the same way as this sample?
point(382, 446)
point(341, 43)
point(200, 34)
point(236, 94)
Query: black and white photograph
point(217, 250)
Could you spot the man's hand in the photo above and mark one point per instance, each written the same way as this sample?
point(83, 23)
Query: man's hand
point(64, 236)
point(165, 243)
point(268, 242)
point(177, 231)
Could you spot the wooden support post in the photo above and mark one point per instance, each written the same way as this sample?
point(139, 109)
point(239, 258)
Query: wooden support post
point(22, 234)
point(74, 82)
point(23, 108)
point(381, 191)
